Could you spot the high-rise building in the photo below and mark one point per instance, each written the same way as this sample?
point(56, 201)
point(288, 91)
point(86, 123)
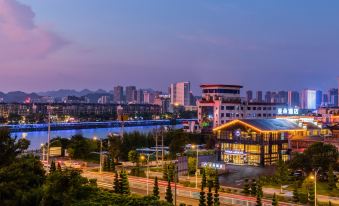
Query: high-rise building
point(149, 97)
point(131, 94)
point(319, 98)
point(249, 95)
point(259, 96)
point(104, 100)
point(325, 100)
point(140, 96)
point(118, 93)
point(282, 97)
point(333, 97)
point(308, 99)
point(180, 93)
point(293, 98)
point(268, 97)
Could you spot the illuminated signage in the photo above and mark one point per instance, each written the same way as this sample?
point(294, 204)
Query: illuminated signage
point(234, 152)
point(237, 133)
point(213, 165)
point(288, 111)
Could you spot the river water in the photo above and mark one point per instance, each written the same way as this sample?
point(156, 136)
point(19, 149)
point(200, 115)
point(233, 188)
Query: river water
point(38, 137)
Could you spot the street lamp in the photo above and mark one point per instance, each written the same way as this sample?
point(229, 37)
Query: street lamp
point(143, 158)
point(95, 139)
point(197, 165)
point(43, 152)
point(315, 185)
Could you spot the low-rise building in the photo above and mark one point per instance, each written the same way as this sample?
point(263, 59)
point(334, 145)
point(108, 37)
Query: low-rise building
point(262, 142)
point(223, 103)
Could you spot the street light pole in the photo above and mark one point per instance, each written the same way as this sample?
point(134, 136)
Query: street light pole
point(142, 158)
point(49, 132)
point(315, 186)
point(100, 161)
point(100, 156)
point(197, 165)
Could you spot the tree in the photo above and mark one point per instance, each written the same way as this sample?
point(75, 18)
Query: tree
point(246, 189)
point(10, 148)
point(192, 165)
point(53, 167)
point(317, 155)
point(311, 194)
point(134, 157)
point(169, 195)
point(216, 191)
point(259, 189)
point(275, 200)
point(295, 193)
point(156, 188)
point(21, 182)
point(281, 173)
point(116, 183)
point(209, 194)
point(259, 202)
point(59, 167)
point(253, 187)
point(65, 188)
point(124, 186)
point(165, 172)
point(202, 201)
point(79, 147)
point(331, 179)
point(114, 148)
point(322, 155)
point(203, 179)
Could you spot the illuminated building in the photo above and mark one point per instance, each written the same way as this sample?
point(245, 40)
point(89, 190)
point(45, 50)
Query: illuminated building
point(262, 142)
point(118, 93)
point(257, 142)
point(131, 94)
point(293, 98)
point(180, 93)
point(308, 99)
point(222, 103)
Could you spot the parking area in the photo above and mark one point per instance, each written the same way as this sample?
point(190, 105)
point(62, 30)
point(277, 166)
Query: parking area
point(238, 173)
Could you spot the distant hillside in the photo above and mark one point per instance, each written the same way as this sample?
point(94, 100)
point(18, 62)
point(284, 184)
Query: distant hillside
point(69, 92)
point(19, 96)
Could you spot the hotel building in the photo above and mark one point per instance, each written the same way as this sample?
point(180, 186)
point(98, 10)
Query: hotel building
point(262, 142)
point(222, 103)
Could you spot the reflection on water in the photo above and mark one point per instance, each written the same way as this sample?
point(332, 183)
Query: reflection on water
point(38, 137)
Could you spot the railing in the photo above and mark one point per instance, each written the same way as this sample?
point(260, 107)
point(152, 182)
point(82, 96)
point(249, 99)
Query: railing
point(76, 125)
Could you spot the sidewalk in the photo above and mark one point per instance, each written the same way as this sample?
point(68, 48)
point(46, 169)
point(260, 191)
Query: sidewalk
point(287, 193)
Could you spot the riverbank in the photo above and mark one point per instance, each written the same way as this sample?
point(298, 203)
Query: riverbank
point(91, 125)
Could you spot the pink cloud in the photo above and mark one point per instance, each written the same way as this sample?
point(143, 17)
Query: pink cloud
point(20, 37)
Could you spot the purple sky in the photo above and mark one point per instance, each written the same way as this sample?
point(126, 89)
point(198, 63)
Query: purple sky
point(79, 44)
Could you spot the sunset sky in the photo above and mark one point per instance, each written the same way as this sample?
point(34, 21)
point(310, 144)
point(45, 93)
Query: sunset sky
point(78, 44)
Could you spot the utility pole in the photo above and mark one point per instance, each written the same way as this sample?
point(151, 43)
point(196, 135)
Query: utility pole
point(156, 144)
point(162, 146)
point(49, 132)
point(175, 183)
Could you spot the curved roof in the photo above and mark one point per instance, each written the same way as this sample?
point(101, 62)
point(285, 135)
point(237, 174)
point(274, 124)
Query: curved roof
point(264, 125)
point(220, 85)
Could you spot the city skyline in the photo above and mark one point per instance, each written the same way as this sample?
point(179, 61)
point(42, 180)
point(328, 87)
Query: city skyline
point(132, 43)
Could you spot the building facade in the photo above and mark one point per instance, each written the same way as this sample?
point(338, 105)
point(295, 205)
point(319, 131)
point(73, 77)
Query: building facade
point(180, 94)
point(131, 94)
point(222, 103)
point(118, 93)
point(256, 142)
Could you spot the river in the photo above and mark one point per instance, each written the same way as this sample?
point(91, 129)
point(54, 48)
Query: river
point(38, 137)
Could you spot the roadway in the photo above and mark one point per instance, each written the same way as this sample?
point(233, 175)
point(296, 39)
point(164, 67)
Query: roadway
point(187, 195)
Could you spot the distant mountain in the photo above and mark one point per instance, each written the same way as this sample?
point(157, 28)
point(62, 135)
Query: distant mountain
point(18, 96)
point(65, 92)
